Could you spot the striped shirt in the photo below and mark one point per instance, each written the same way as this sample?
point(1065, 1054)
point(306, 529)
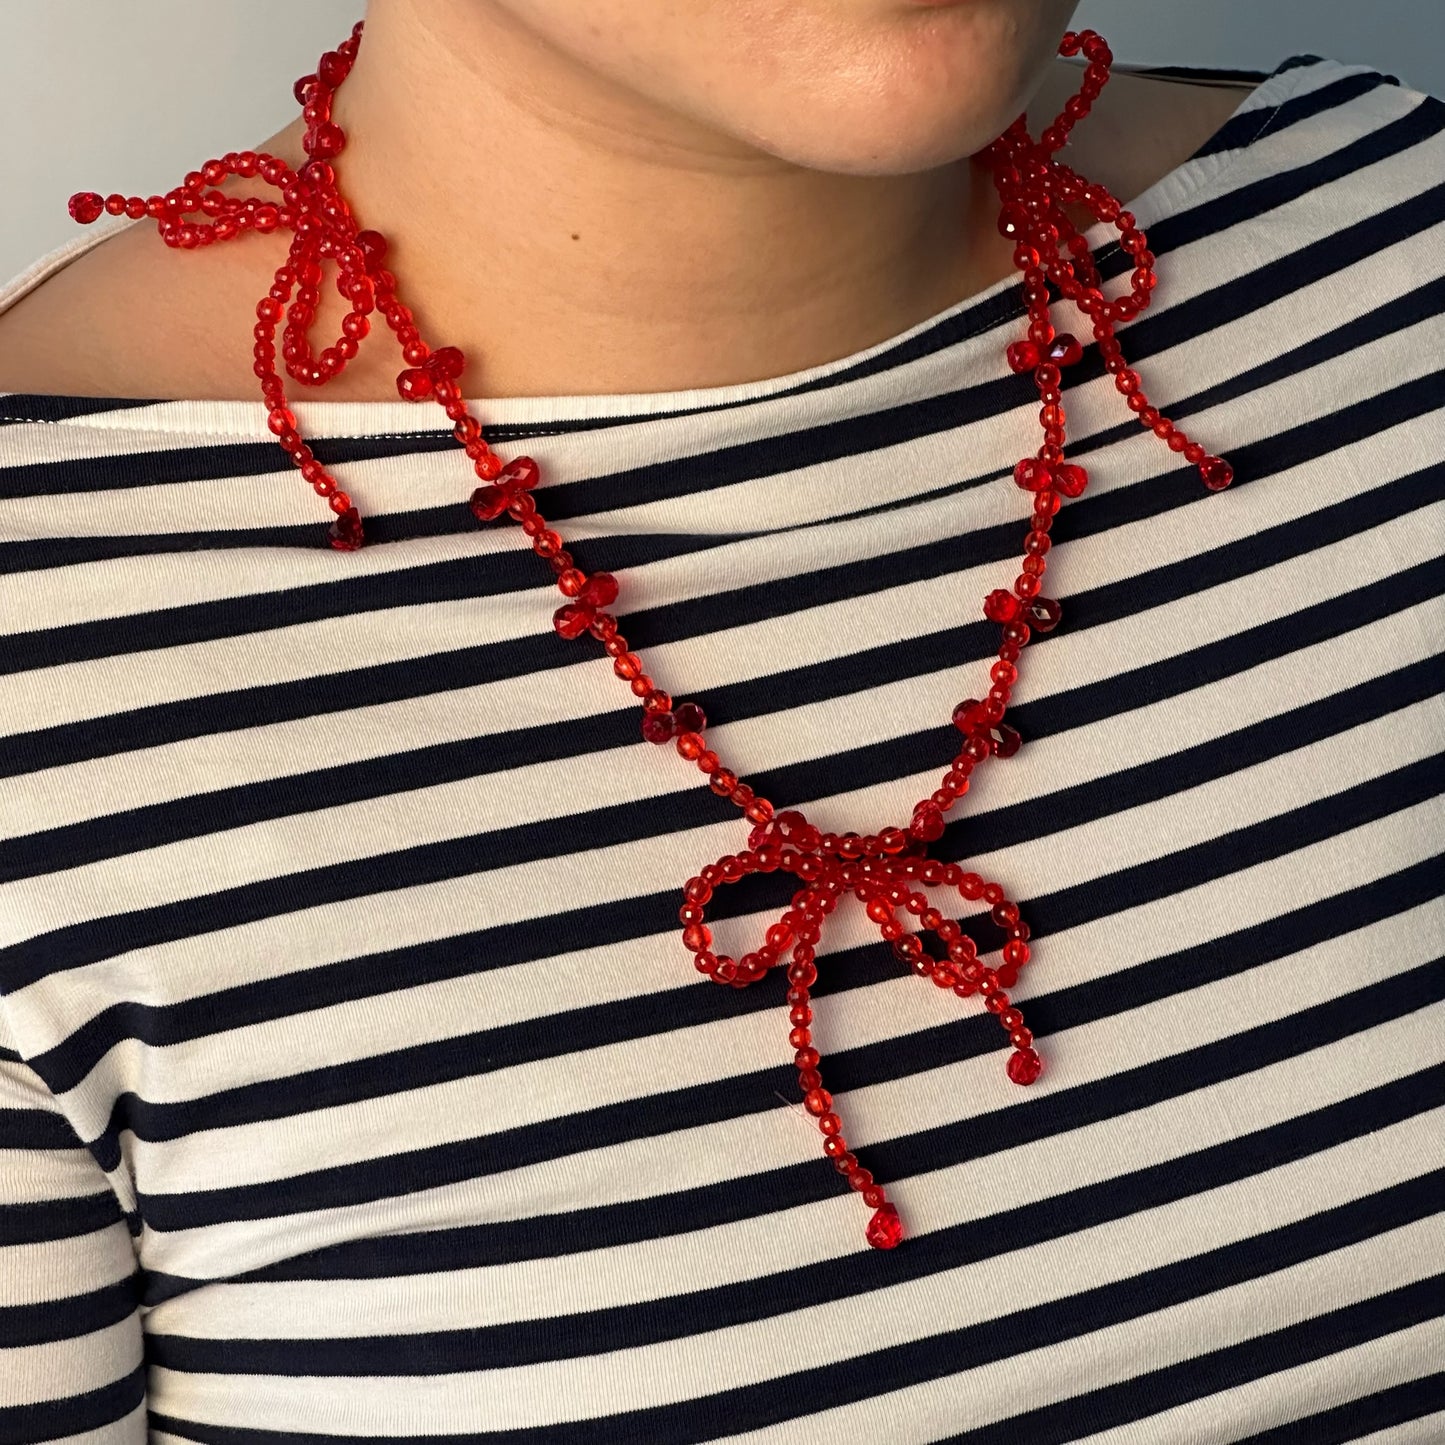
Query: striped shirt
point(357, 1084)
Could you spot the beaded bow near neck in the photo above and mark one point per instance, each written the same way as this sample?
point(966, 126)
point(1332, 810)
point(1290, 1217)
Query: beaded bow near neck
point(882, 870)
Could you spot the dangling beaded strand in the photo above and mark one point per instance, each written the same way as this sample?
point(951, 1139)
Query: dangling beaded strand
point(882, 870)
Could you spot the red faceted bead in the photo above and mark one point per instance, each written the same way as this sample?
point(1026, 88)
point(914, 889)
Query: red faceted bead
point(1070, 479)
point(1042, 614)
point(690, 718)
point(1006, 741)
point(1033, 475)
point(522, 473)
point(324, 142)
point(1024, 1066)
point(1064, 350)
point(1000, 606)
point(373, 248)
point(488, 503)
point(659, 727)
point(1012, 220)
point(907, 948)
point(885, 1229)
point(414, 384)
point(1022, 356)
point(1217, 473)
point(345, 531)
point(572, 620)
point(968, 715)
point(333, 69)
point(601, 591)
point(448, 361)
point(86, 206)
point(927, 824)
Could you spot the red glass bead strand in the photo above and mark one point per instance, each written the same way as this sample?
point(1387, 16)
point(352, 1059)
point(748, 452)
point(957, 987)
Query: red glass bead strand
point(878, 869)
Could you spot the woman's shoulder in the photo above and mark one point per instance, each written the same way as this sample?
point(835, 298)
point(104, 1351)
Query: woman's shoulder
point(1312, 119)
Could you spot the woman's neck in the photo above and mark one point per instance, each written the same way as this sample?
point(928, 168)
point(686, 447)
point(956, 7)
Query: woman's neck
point(573, 238)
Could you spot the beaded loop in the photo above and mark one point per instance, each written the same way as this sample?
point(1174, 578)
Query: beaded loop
point(881, 870)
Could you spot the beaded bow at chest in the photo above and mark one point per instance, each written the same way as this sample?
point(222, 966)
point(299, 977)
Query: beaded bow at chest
point(884, 871)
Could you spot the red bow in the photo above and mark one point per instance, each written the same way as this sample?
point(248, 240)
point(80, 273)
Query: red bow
point(829, 867)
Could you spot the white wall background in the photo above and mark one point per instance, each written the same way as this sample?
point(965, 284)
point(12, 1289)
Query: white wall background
point(129, 94)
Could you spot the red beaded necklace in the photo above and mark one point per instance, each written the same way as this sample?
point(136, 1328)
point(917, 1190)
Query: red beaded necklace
point(881, 870)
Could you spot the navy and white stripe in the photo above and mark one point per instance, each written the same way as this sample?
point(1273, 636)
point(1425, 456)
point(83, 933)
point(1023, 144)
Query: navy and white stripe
point(356, 1084)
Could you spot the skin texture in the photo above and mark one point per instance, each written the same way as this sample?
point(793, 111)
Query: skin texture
point(611, 196)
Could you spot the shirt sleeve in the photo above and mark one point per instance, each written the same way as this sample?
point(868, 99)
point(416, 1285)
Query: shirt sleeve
point(71, 1350)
